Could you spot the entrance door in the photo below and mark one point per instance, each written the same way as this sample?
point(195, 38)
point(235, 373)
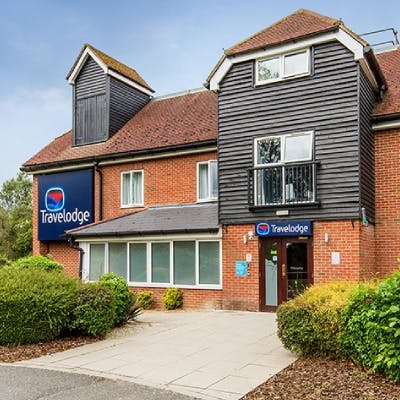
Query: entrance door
point(285, 270)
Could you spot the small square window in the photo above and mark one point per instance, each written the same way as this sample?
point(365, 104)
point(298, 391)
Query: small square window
point(207, 181)
point(283, 66)
point(132, 188)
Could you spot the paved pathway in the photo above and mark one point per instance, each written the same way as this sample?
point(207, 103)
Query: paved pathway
point(208, 355)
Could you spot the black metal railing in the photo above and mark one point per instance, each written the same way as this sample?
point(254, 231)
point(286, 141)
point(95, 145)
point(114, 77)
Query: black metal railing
point(286, 184)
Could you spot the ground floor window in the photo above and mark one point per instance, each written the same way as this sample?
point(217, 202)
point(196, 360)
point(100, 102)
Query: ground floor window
point(189, 263)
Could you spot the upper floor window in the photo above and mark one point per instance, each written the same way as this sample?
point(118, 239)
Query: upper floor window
point(283, 66)
point(207, 181)
point(284, 172)
point(132, 188)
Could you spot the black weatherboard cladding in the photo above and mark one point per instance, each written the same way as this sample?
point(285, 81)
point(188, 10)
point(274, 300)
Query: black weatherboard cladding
point(367, 161)
point(125, 101)
point(103, 104)
point(325, 102)
point(90, 116)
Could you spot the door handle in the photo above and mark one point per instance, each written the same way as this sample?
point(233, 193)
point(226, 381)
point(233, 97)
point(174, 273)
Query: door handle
point(283, 270)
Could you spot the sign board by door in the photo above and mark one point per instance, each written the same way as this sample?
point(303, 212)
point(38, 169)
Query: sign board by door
point(284, 228)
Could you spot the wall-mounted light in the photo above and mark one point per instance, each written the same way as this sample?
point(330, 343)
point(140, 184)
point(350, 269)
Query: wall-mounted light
point(251, 235)
point(244, 239)
point(326, 237)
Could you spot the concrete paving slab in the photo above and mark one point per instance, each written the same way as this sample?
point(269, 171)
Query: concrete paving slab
point(204, 354)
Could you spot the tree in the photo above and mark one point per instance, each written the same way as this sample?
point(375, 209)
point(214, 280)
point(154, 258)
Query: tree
point(16, 217)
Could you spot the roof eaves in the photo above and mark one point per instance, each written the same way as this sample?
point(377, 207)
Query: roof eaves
point(106, 157)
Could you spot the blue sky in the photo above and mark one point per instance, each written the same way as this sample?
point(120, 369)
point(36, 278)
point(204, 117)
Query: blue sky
point(173, 44)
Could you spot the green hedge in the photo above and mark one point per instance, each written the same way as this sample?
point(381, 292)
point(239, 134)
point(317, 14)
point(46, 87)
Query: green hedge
point(371, 334)
point(310, 323)
point(95, 310)
point(35, 305)
point(42, 262)
point(122, 295)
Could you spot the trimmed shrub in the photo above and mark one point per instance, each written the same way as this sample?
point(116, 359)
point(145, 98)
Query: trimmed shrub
point(145, 299)
point(173, 298)
point(35, 305)
point(94, 313)
point(122, 295)
point(371, 334)
point(310, 323)
point(42, 262)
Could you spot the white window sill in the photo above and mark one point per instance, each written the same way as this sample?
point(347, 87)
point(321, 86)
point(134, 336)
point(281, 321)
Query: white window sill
point(169, 285)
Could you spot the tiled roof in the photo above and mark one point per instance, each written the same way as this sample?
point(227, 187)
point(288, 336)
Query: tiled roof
point(157, 220)
point(113, 64)
point(162, 123)
point(389, 62)
point(300, 24)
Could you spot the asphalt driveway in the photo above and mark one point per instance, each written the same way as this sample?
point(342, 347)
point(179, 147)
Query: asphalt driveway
point(209, 355)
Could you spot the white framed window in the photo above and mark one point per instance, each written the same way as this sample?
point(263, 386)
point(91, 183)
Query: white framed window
point(207, 181)
point(192, 263)
point(279, 149)
point(132, 188)
point(283, 66)
point(284, 171)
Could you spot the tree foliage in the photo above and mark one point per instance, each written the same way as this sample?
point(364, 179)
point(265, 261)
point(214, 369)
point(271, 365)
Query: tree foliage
point(16, 217)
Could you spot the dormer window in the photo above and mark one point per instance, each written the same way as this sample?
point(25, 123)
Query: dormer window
point(283, 66)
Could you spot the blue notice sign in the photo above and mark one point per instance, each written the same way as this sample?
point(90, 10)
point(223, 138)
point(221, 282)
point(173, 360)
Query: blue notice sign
point(65, 202)
point(241, 268)
point(284, 228)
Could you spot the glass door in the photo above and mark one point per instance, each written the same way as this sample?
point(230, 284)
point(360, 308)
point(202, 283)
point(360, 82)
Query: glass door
point(286, 269)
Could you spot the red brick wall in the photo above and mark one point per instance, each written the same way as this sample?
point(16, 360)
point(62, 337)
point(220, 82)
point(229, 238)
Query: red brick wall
point(353, 241)
point(239, 293)
point(166, 181)
point(387, 200)
point(192, 298)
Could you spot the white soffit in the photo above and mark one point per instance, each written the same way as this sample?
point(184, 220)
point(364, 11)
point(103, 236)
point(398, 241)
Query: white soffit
point(343, 37)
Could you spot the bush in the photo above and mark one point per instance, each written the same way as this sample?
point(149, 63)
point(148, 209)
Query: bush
point(122, 295)
point(42, 262)
point(145, 299)
point(35, 305)
point(310, 323)
point(371, 334)
point(172, 298)
point(94, 313)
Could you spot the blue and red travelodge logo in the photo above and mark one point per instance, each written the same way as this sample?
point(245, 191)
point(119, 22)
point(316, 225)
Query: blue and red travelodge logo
point(262, 229)
point(54, 199)
point(65, 201)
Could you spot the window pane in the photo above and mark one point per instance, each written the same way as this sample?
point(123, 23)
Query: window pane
point(298, 147)
point(268, 69)
point(137, 187)
point(117, 258)
point(269, 186)
point(96, 266)
point(209, 263)
point(137, 262)
point(160, 262)
point(184, 263)
point(214, 179)
point(295, 64)
point(126, 193)
point(269, 150)
point(203, 181)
